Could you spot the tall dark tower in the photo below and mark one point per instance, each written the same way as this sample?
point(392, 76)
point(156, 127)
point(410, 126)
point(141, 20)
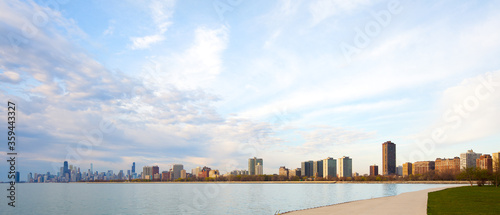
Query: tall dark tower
point(66, 170)
point(133, 167)
point(389, 158)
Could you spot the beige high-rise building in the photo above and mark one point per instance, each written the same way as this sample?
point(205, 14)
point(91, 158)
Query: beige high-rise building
point(283, 171)
point(407, 169)
point(448, 165)
point(421, 167)
point(183, 174)
point(496, 159)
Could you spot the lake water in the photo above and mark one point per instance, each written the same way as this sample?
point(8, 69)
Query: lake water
point(185, 198)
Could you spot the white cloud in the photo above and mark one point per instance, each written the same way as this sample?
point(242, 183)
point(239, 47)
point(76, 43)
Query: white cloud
point(161, 13)
point(146, 41)
point(10, 77)
point(196, 67)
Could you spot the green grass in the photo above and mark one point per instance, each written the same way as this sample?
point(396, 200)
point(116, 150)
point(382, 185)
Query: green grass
point(465, 200)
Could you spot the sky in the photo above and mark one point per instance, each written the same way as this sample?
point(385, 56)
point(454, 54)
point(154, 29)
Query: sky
point(213, 83)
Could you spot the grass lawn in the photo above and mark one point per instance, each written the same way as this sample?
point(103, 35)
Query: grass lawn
point(465, 200)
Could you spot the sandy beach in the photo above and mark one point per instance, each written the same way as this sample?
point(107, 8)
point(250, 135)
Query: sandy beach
point(411, 203)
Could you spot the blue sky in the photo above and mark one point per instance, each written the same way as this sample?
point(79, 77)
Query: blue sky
point(216, 82)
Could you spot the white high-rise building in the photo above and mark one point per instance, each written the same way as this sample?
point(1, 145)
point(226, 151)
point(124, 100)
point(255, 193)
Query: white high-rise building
point(195, 171)
point(329, 167)
point(468, 160)
point(259, 169)
point(345, 167)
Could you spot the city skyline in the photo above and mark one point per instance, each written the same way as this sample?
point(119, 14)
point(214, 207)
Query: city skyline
point(167, 82)
point(318, 169)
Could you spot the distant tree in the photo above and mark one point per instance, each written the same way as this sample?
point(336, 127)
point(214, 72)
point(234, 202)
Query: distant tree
point(482, 176)
point(468, 174)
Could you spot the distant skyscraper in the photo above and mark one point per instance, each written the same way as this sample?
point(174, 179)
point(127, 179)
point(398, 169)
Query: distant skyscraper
point(259, 169)
point(18, 177)
point(389, 158)
point(345, 167)
point(307, 168)
point(177, 170)
point(496, 161)
point(329, 167)
point(468, 160)
point(252, 162)
point(373, 170)
point(92, 168)
point(147, 172)
point(66, 171)
point(183, 173)
point(318, 168)
point(155, 170)
point(133, 167)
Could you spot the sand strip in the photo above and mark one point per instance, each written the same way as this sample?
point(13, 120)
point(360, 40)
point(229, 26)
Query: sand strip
point(405, 203)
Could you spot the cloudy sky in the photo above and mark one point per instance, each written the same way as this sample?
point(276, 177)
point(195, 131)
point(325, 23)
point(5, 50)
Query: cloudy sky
point(216, 82)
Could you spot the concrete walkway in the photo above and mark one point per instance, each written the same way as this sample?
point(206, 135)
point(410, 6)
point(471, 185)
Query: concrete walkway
point(405, 203)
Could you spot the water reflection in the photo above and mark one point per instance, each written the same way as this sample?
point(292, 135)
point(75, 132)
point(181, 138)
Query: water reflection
point(192, 198)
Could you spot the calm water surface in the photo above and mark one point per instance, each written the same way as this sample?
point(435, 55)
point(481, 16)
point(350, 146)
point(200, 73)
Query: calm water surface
point(190, 198)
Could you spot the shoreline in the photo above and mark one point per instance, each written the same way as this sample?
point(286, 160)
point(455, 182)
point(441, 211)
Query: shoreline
point(404, 203)
point(283, 182)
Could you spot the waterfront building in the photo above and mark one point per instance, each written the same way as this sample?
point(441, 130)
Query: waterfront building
point(468, 160)
point(147, 172)
point(318, 168)
point(165, 175)
point(213, 173)
point(307, 168)
point(252, 163)
point(485, 162)
point(496, 161)
point(133, 167)
point(196, 171)
point(399, 170)
point(451, 165)
point(373, 170)
point(66, 171)
point(204, 173)
point(259, 169)
point(329, 167)
point(407, 169)
point(421, 167)
point(345, 166)
point(183, 174)
point(283, 171)
point(155, 170)
point(388, 158)
point(177, 170)
point(294, 172)
point(239, 172)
